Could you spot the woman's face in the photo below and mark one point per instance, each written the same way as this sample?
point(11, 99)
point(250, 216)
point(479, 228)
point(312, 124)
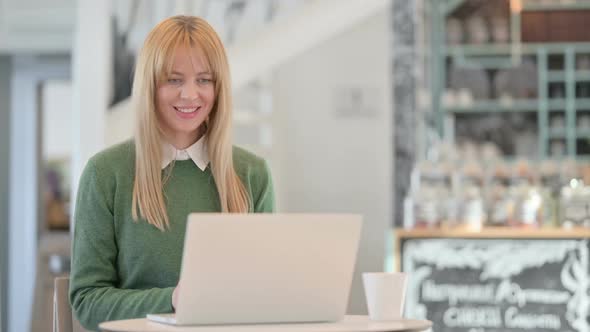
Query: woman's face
point(185, 98)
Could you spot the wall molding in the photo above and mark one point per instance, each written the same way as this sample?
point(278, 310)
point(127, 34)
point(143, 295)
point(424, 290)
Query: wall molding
point(5, 64)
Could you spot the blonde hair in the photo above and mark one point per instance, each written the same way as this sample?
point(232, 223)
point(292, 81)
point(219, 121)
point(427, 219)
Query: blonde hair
point(153, 66)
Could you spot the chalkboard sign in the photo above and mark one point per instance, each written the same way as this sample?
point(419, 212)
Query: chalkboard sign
point(498, 285)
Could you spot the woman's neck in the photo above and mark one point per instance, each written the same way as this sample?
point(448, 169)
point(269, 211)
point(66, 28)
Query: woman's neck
point(182, 141)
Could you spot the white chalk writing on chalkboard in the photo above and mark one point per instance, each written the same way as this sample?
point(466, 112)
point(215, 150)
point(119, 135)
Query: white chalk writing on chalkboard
point(473, 317)
point(454, 293)
point(513, 293)
point(503, 284)
point(531, 321)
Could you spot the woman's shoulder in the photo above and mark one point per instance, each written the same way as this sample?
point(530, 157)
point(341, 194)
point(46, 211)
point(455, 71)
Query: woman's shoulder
point(244, 159)
point(249, 165)
point(256, 176)
point(118, 157)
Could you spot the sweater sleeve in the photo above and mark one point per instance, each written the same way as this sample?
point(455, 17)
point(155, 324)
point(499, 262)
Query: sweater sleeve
point(264, 200)
point(93, 294)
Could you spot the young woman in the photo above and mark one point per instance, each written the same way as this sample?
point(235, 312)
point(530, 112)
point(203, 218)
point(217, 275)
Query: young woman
point(134, 198)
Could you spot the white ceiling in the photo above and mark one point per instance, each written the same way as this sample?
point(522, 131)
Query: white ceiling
point(36, 26)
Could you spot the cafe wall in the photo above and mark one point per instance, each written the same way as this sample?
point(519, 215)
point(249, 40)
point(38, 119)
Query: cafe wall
point(336, 136)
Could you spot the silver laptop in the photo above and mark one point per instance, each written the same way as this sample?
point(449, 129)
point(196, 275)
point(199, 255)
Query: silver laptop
point(265, 268)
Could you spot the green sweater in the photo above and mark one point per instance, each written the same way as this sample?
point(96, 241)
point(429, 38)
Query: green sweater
point(123, 269)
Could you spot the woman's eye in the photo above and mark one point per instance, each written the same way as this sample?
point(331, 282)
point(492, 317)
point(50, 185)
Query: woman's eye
point(174, 80)
point(204, 80)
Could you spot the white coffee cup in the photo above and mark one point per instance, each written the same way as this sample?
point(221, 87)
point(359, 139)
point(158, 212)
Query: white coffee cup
point(385, 294)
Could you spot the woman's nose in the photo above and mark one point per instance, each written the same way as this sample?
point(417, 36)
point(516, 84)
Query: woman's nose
point(189, 91)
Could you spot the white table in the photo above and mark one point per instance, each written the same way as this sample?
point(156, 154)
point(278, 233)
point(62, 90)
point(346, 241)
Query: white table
point(348, 324)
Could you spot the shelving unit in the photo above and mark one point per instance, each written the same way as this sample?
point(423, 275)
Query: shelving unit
point(566, 79)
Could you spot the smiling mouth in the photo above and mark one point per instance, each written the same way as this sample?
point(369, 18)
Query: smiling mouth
point(187, 110)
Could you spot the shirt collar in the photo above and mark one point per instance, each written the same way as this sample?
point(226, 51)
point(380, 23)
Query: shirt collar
point(197, 152)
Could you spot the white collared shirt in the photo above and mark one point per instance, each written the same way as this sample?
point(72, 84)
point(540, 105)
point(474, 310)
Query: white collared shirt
point(197, 152)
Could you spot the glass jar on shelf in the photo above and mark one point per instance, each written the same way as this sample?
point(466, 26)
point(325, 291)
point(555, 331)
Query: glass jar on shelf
point(500, 29)
point(527, 196)
point(529, 207)
point(574, 196)
point(478, 32)
point(575, 204)
point(472, 214)
point(550, 187)
point(500, 206)
point(426, 208)
point(454, 31)
point(429, 186)
point(447, 196)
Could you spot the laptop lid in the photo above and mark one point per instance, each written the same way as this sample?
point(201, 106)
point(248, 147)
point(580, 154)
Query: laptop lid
point(267, 268)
